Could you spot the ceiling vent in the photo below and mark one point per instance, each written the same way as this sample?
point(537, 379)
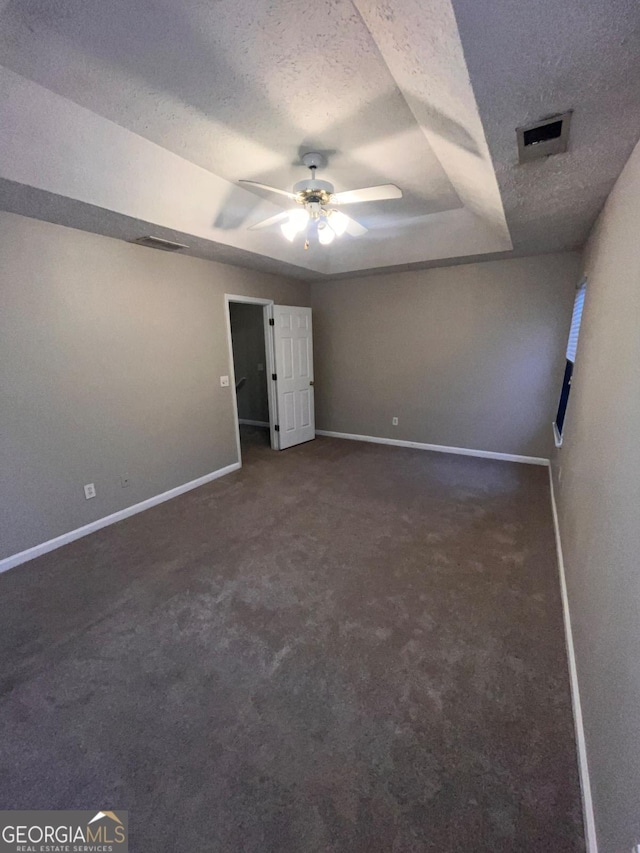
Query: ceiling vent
point(159, 243)
point(544, 138)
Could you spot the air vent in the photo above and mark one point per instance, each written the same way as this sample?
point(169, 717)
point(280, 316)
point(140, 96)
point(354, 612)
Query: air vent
point(544, 138)
point(159, 243)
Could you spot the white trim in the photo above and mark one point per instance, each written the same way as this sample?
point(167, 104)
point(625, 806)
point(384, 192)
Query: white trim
point(78, 533)
point(248, 422)
point(583, 765)
point(270, 356)
point(256, 300)
point(438, 448)
point(557, 437)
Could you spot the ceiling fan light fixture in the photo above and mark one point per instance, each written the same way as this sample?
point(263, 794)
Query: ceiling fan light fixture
point(314, 216)
point(338, 222)
point(298, 219)
point(289, 230)
point(326, 235)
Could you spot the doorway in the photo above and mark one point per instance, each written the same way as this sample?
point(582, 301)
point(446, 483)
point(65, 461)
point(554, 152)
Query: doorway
point(271, 356)
point(251, 359)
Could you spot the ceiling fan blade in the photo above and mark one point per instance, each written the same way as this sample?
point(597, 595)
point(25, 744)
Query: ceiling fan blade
point(381, 193)
point(272, 220)
point(355, 229)
point(269, 189)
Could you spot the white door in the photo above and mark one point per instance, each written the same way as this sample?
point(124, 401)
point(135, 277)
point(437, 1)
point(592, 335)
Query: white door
point(293, 348)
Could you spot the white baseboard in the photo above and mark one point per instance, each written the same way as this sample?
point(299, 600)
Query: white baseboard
point(254, 423)
point(438, 448)
point(583, 765)
point(65, 538)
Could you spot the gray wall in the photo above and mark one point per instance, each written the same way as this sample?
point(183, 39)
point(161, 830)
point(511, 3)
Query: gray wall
point(599, 506)
point(110, 358)
point(247, 326)
point(468, 356)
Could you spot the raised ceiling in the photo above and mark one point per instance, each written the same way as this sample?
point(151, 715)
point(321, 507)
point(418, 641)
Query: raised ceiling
point(130, 118)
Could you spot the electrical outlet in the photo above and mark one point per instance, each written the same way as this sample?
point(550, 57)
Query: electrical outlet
point(394, 421)
point(224, 381)
point(89, 491)
point(260, 368)
point(124, 481)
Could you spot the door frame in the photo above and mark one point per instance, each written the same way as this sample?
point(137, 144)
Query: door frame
point(267, 306)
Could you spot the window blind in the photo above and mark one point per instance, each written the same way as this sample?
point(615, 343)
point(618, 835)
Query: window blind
point(576, 319)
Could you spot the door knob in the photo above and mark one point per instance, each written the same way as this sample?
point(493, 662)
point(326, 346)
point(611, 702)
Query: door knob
point(311, 382)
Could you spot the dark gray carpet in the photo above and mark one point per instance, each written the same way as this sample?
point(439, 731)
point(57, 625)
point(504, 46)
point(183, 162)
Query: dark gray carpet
point(343, 647)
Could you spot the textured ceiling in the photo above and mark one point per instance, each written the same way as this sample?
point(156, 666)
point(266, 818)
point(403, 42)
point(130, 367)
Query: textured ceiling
point(531, 60)
point(119, 117)
point(236, 87)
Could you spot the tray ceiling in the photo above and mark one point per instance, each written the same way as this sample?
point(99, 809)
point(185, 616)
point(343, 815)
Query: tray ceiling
point(123, 117)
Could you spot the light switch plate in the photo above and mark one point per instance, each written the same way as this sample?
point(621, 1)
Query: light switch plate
point(224, 381)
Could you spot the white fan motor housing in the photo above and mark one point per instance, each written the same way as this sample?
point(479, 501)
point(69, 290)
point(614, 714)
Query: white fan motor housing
point(313, 184)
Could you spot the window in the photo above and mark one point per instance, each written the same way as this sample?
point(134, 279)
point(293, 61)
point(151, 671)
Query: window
point(572, 346)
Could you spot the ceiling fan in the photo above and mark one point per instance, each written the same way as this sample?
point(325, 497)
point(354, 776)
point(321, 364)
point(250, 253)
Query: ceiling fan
point(316, 214)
